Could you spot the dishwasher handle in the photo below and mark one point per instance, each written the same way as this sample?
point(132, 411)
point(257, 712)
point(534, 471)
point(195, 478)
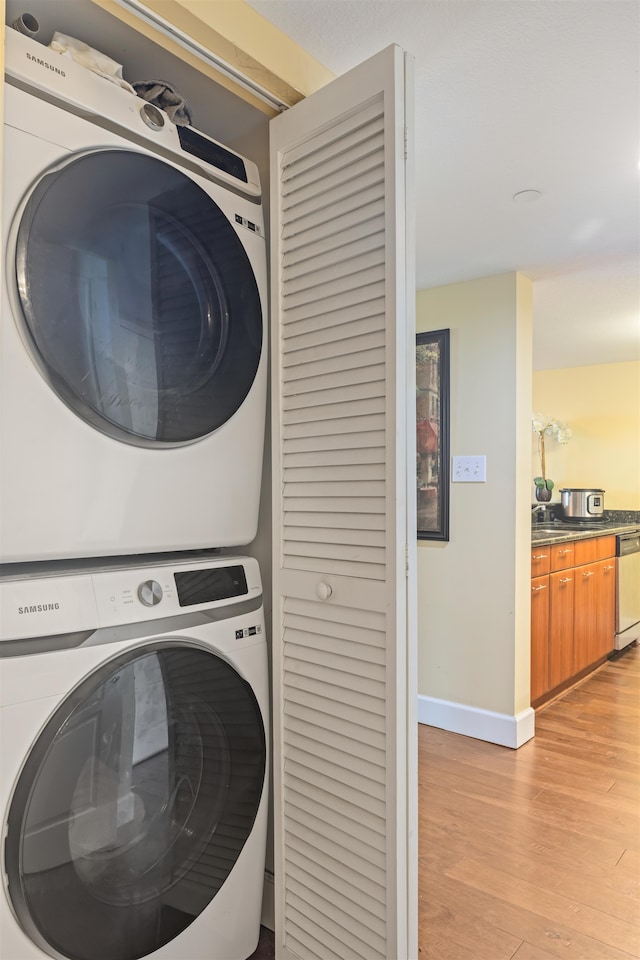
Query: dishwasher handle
point(627, 543)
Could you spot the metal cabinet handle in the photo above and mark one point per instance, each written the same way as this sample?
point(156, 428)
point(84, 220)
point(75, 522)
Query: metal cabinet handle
point(540, 556)
point(610, 567)
point(566, 580)
point(561, 553)
point(589, 573)
point(541, 586)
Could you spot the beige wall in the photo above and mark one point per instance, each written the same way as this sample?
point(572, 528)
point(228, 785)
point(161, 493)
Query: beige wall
point(474, 590)
point(601, 404)
point(240, 37)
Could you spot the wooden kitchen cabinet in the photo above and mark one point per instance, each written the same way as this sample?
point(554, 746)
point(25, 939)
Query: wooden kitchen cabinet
point(594, 616)
point(540, 561)
point(561, 607)
point(539, 636)
point(562, 556)
point(572, 611)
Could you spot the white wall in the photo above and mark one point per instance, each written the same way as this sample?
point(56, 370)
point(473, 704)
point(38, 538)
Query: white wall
point(474, 590)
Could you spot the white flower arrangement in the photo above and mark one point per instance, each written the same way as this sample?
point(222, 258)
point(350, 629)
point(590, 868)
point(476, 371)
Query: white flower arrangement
point(545, 426)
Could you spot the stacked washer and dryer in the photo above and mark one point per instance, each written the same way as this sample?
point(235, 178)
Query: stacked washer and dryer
point(133, 667)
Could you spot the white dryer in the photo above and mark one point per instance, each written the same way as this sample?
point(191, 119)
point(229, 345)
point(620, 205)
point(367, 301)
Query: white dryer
point(133, 751)
point(133, 346)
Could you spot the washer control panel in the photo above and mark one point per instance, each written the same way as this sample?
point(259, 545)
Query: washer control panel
point(115, 595)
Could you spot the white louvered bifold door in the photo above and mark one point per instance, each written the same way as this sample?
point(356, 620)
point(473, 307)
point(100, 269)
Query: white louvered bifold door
point(344, 440)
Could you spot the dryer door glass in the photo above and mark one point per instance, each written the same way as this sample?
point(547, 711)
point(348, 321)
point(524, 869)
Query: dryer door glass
point(138, 298)
point(135, 803)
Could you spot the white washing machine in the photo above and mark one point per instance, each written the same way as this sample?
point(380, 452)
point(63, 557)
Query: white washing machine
point(133, 346)
point(133, 753)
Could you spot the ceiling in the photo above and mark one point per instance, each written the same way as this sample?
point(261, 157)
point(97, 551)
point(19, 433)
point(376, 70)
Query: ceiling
point(515, 95)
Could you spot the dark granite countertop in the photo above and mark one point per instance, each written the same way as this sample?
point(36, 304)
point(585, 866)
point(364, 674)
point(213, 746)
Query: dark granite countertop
point(546, 533)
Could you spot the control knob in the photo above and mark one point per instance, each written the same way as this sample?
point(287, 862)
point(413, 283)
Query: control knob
point(150, 593)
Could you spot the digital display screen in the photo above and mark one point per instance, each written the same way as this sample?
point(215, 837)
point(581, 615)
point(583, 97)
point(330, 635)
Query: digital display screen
point(207, 586)
point(198, 146)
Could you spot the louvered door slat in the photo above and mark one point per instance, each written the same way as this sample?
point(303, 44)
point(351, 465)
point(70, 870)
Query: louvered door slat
point(322, 697)
point(352, 620)
point(345, 175)
point(332, 309)
point(339, 750)
point(367, 505)
point(323, 534)
point(367, 467)
point(328, 431)
point(339, 658)
point(300, 555)
point(313, 254)
point(337, 443)
point(323, 220)
point(364, 219)
point(310, 295)
point(356, 793)
point(338, 455)
point(318, 722)
point(339, 929)
point(350, 265)
point(370, 640)
point(345, 411)
point(343, 896)
point(326, 523)
point(331, 141)
point(339, 327)
point(298, 355)
point(341, 332)
point(366, 834)
point(337, 379)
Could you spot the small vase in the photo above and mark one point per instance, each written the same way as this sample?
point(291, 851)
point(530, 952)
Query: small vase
point(543, 495)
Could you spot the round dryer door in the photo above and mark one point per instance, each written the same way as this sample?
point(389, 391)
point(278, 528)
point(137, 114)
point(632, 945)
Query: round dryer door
point(135, 803)
point(138, 298)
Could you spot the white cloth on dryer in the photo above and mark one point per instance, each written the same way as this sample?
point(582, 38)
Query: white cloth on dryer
point(90, 58)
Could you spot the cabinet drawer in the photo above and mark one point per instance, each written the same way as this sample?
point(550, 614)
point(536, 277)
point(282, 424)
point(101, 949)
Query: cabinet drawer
point(540, 561)
point(598, 548)
point(563, 555)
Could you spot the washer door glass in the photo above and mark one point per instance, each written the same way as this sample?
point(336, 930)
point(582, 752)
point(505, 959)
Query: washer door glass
point(138, 298)
point(134, 804)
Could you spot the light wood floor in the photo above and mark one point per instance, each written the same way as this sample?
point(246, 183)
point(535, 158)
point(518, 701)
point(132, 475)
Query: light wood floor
point(534, 854)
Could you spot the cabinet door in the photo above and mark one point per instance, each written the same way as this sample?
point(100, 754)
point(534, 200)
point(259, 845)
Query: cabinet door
point(539, 637)
point(562, 555)
point(594, 549)
point(561, 600)
point(606, 607)
point(594, 612)
point(585, 628)
point(344, 647)
point(540, 561)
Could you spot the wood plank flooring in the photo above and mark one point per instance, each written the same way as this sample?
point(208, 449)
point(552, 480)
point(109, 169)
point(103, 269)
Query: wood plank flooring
point(534, 854)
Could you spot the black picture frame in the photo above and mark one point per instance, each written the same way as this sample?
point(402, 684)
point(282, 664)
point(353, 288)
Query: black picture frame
point(432, 434)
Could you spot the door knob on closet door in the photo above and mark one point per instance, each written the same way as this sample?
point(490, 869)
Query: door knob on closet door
point(324, 591)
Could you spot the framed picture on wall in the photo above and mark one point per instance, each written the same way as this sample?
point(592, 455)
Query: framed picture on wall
point(432, 428)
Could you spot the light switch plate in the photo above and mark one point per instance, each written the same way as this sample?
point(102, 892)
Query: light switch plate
point(469, 470)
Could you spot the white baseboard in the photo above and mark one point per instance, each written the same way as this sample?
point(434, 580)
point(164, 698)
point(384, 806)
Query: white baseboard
point(500, 728)
point(268, 902)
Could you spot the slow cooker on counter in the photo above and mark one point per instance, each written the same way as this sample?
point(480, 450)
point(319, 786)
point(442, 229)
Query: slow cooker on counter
point(582, 503)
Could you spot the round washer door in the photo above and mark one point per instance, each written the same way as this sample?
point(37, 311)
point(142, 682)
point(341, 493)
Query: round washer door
point(137, 297)
point(135, 803)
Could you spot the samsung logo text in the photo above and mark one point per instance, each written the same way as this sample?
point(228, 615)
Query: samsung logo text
point(48, 66)
point(39, 608)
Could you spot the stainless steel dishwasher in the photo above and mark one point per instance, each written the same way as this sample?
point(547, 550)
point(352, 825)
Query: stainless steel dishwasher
point(628, 589)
